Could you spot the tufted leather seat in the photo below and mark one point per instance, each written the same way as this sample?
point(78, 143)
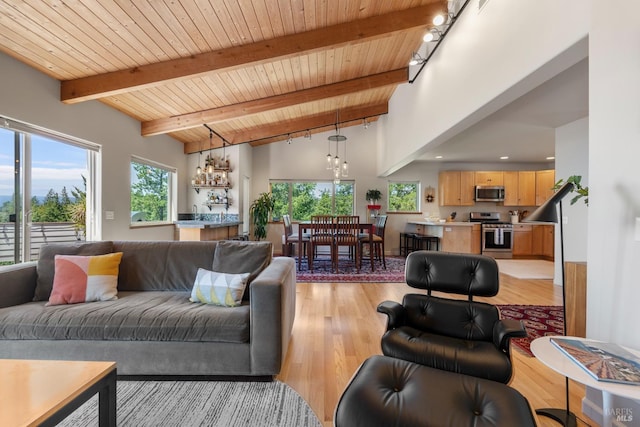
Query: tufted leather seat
point(393, 392)
point(462, 336)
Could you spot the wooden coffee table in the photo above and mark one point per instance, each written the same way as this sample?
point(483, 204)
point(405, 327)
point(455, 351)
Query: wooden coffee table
point(44, 392)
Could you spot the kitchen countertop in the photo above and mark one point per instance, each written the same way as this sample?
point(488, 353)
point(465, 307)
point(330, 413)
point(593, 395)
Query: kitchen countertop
point(445, 224)
point(205, 224)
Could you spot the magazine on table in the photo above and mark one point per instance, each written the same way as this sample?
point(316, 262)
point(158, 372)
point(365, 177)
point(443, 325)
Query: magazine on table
point(603, 361)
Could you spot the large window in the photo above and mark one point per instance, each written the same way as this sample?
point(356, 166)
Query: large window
point(301, 199)
point(48, 184)
point(152, 192)
point(403, 197)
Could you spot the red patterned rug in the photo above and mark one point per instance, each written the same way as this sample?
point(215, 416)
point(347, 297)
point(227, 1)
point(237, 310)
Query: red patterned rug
point(539, 320)
point(322, 271)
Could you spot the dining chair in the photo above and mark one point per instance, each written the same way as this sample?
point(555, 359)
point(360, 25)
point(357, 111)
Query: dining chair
point(375, 241)
point(291, 241)
point(322, 234)
point(347, 229)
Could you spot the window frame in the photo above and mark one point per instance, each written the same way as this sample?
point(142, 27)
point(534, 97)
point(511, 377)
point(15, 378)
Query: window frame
point(418, 198)
point(172, 192)
point(292, 182)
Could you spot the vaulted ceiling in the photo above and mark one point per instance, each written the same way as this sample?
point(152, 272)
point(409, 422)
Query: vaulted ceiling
point(253, 71)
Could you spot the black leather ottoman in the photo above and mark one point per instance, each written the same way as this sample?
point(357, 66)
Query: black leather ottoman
point(393, 392)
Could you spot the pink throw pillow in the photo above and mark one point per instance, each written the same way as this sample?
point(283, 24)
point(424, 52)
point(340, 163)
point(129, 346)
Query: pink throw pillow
point(85, 278)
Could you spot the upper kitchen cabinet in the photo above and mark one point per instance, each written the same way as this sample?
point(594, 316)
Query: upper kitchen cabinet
point(489, 178)
point(545, 180)
point(519, 188)
point(456, 188)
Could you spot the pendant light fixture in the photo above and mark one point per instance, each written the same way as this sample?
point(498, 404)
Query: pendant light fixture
point(335, 164)
point(210, 163)
point(224, 160)
point(345, 164)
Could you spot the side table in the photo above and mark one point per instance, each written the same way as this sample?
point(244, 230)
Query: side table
point(555, 359)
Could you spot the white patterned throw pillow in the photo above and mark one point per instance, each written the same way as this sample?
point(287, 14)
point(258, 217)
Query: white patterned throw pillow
point(216, 288)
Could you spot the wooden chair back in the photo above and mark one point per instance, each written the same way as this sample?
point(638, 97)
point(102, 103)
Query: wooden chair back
point(322, 229)
point(347, 229)
point(288, 227)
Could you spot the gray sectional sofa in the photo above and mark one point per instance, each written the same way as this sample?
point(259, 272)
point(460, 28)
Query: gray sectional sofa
point(153, 328)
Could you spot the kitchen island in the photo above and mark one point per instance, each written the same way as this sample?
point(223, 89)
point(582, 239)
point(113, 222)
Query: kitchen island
point(456, 236)
point(198, 230)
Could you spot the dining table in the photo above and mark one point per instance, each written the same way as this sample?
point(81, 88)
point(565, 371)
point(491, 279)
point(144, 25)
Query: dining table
point(307, 226)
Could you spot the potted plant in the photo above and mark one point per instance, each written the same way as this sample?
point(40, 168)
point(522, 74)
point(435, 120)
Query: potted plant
point(260, 210)
point(577, 187)
point(373, 196)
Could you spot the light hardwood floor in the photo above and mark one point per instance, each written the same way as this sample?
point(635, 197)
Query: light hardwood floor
point(337, 328)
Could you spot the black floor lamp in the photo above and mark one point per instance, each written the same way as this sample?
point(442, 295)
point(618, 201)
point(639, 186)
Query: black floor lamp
point(551, 211)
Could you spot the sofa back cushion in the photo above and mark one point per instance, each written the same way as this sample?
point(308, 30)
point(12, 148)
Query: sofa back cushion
point(46, 262)
point(237, 256)
point(162, 265)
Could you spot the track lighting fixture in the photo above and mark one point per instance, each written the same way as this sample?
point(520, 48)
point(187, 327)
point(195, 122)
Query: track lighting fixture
point(431, 35)
point(417, 59)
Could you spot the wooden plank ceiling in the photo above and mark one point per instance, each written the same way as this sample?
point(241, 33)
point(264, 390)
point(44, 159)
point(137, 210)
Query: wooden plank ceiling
point(253, 70)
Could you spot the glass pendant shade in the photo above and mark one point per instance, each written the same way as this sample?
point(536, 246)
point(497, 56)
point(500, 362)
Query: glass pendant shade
point(198, 170)
point(210, 169)
point(345, 169)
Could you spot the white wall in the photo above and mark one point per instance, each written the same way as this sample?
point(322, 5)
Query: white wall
point(531, 40)
point(614, 178)
point(32, 97)
point(572, 158)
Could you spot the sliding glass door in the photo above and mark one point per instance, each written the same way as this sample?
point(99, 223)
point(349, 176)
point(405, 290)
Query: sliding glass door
point(47, 188)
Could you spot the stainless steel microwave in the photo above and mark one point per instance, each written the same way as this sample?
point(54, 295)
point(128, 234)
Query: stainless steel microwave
point(489, 193)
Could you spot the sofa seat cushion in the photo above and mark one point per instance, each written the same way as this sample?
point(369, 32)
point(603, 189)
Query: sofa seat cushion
point(134, 316)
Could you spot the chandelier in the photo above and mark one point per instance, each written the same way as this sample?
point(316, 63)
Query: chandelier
point(333, 162)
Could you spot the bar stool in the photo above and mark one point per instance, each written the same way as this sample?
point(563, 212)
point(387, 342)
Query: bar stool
point(406, 243)
point(426, 241)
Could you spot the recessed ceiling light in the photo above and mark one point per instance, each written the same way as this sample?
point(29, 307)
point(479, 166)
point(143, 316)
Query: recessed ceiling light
point(551, 158)
point(438, 157)
point(504, 157)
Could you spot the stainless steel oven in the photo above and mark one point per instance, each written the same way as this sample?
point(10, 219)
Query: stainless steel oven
point(497, 236)
point(497, 240)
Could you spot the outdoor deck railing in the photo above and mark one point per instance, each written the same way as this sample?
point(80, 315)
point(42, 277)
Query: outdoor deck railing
point(41, 233)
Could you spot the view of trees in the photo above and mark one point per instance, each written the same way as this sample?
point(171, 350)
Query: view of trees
point(311, 198)
point(55, 207)
point(403, 196)
point(149, 191)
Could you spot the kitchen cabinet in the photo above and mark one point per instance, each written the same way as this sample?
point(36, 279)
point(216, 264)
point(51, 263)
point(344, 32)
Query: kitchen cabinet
point(456, 188)
point(522, 240)
point(461, 239)
point(543, 241)
point(202, 231)
point(519, 188)
point(545, 180)
point(489, 178)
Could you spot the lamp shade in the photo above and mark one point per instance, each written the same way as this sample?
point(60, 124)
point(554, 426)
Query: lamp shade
point(548, 211)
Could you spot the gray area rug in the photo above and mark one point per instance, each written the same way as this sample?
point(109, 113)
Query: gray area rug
point(202, 403)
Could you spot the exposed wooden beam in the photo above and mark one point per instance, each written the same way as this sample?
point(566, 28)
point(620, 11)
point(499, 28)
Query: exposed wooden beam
point(116, 82)
point(317, 123)
point(228, 112)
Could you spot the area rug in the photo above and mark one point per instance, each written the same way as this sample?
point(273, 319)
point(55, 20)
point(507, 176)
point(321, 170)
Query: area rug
point(201, 403)
point(539, 320)
point(347, 272)
point(526, 268)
